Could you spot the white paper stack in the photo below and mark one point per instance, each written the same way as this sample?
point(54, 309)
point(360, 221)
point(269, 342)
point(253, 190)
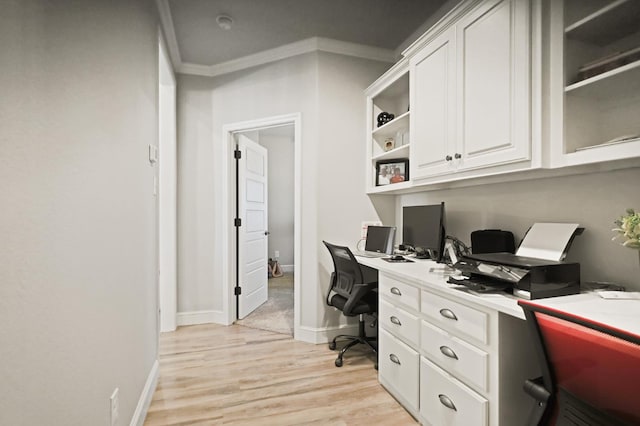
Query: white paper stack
point(547, 240)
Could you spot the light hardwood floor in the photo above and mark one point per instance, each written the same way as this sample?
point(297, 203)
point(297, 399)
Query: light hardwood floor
point(212, 375)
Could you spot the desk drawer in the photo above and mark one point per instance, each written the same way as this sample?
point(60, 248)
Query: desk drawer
point(399, 292)
point(457, 357)
point(398, 368)
point(399, 322)
point(455, 317)
point(446, 401)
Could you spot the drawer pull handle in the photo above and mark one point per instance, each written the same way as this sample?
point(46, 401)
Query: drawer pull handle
point(447, 402)
point(448, 313)
point(394, 359)
point(395, 320)
point(396, 291)
point(447, 351)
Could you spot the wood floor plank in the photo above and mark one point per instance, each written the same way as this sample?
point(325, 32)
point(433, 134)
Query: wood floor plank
point(217, 375)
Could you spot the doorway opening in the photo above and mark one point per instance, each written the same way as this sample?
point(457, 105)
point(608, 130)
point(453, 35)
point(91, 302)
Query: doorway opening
point(280, 137)
point(274, 312)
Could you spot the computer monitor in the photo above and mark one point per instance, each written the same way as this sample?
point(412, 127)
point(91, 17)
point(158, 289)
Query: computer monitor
point(380, 239)
point(423, 228)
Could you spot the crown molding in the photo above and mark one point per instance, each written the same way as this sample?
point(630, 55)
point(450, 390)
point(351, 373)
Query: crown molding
point(355, 50)
point(166, 22)
point(194, 69)
point(264, 57)
point(309, 45)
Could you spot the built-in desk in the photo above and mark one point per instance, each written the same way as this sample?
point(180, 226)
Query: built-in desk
point(448, 355)
point(454, 357)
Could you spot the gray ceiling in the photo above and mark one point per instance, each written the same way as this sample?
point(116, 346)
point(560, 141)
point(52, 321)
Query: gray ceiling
point(265, 24)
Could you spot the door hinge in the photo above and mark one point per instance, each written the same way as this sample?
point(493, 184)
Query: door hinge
point(237, 291)
point(237, 222)
point(237, 154)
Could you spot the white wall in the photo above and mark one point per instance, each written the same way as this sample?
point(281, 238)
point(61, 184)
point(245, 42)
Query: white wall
point(196, 216)
point(593, 200)
point(316, 85)
point(78, 293)
point(280, 146)
point(342, 204)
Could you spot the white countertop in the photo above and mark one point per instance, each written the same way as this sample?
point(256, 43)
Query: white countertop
point(623, 314)
point(432, 276)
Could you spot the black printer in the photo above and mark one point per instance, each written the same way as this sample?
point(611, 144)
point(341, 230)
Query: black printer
point(528, 277)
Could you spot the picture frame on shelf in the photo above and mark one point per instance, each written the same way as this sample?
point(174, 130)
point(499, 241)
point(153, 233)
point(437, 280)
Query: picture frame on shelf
point(389, 172)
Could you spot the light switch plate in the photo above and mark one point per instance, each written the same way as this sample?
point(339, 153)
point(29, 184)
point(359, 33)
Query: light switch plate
point(153, 154)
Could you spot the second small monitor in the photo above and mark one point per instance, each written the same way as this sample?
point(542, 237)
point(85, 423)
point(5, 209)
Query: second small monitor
point(380, 239)
point(423, 228)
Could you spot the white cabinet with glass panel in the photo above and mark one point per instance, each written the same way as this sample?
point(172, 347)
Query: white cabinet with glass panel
point(594, 80)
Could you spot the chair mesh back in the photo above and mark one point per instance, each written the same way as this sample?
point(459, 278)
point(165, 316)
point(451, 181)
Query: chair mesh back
point(346, 268)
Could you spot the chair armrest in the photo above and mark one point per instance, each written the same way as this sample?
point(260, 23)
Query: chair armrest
point(536, 389)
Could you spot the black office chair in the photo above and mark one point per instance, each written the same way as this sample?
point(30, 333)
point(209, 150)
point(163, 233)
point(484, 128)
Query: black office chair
point(353, 291)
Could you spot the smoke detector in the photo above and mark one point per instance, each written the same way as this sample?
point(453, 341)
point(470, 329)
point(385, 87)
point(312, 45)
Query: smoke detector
point(224, 21)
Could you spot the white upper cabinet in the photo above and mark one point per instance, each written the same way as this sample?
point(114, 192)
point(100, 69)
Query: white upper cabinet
point(470, 92)
point(507, 86)
point(594, 80)
point(433, 98)
point(494, 81)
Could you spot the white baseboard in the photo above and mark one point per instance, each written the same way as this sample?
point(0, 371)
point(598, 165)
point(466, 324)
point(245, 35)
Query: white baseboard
point(145, 397)
point(286, 268)
point(201, 317)
point(323, 335)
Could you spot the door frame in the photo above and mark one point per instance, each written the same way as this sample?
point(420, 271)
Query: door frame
point(165, 188)
point(228, 213)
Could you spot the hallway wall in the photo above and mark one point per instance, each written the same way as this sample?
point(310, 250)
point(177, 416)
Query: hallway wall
point(78, 225)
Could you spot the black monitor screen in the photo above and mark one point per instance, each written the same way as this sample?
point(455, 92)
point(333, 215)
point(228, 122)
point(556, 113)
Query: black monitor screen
point(423, 229)
point(380, 239)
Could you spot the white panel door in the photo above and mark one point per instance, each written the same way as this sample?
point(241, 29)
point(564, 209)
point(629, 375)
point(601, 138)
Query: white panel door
point(433, 108)
point(252, 236)
point(493, 73)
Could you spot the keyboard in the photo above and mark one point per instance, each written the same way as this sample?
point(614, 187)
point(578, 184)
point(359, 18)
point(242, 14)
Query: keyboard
point(480, 284)
point(362, 253)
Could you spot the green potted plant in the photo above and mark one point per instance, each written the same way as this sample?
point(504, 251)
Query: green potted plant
point(628, 229)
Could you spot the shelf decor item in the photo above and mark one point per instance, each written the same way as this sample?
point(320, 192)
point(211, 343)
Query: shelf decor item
point(385, 117)
point(392, 171)
point(389, 144)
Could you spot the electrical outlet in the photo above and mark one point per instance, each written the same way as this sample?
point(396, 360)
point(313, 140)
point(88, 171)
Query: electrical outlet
point(277, 255)
point(115, 407)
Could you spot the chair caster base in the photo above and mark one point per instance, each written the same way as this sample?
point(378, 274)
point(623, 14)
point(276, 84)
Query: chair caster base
point(332, 346)
point(338, 362)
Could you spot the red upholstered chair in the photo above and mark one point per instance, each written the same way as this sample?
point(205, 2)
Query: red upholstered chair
point(590, 372)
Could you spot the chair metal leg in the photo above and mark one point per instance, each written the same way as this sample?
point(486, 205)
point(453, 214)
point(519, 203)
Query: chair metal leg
point(362, 338)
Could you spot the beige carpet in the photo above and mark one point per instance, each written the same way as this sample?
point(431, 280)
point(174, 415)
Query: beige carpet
point(276, 314)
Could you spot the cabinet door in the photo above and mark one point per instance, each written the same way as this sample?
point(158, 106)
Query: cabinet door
point(493, 80)
point(433, 107)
